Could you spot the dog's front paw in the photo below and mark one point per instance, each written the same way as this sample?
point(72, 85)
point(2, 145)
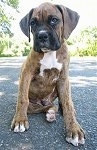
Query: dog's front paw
point(19, 124)
point(50, 115)
point(75, 135)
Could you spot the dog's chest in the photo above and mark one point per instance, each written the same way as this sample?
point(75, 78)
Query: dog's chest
point(49, 61)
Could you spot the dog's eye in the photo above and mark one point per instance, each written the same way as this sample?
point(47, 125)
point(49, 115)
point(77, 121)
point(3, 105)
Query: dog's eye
point(33, 22)
point(54, 21)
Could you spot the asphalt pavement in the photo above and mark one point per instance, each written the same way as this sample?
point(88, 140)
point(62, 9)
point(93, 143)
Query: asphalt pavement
point(41, 134)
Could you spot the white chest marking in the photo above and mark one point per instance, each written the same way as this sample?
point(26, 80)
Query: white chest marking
point(49, 61)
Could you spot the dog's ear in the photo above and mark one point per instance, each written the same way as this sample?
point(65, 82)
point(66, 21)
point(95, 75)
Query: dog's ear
point(25, 24)
point(70, 20)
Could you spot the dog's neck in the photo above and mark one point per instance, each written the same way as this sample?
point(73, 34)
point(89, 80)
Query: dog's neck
point(49, 61)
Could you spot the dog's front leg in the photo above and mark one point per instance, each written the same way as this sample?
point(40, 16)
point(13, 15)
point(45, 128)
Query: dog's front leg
point(74, 133)
point(20, 121)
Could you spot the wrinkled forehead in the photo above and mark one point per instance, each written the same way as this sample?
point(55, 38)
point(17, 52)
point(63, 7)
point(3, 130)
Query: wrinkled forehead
point(45, 10)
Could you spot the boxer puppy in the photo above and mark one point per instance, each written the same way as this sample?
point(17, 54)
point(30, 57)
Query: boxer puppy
point(45, 73)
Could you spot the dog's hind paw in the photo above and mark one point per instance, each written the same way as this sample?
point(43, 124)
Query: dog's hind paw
point(51, 115)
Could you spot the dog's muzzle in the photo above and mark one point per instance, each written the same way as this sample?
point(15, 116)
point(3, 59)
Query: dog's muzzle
point(43, 39)
point(46, 41)
point(43, 36)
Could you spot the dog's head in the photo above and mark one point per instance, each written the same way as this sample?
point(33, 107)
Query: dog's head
point(49, 24)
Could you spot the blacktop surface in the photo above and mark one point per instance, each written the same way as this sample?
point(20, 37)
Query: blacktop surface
point(41, 134)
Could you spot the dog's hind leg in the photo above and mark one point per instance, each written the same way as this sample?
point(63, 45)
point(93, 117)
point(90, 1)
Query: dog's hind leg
point(51, 112)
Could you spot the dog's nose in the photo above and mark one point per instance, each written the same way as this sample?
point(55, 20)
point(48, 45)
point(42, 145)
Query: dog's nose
point(43, 36)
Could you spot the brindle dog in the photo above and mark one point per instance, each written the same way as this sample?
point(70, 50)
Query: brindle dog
point(45, 73)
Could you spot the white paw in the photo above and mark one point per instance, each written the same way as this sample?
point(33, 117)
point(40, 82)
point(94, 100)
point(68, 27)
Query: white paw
point(82, 141)
point(19, 128)
point(75, 141)
point(51, 115)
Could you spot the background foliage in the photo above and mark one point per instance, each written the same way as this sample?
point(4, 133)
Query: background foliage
point(84, 44)
point(5, 16)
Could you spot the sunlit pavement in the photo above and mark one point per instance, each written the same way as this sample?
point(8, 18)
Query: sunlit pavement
point(41, 134)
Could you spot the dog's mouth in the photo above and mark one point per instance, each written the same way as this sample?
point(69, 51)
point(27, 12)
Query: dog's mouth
point(45, 41)
point(45, 50)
